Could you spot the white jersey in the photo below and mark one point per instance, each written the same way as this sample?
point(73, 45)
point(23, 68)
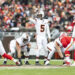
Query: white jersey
point(20, 41)
point(42, 27)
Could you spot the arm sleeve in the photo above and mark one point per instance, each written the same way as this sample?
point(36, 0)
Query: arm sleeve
point(32, 20)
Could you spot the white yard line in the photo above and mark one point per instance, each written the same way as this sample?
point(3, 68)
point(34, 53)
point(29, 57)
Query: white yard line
point(42, 59)
point(30, 67)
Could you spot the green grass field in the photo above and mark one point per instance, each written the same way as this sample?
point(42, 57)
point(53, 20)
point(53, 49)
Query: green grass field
point(37, 71)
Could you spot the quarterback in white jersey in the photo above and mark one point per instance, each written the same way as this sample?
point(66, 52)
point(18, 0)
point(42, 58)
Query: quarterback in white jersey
point(20, 44)
point(42, 34)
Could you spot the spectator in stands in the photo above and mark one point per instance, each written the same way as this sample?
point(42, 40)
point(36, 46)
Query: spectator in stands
point(15, 13)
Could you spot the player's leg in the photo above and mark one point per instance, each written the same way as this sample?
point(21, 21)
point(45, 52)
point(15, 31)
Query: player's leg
point(39, 46)
point(51, 50)
point(45, 49)
point(10, 58)
point(45, 56)
point(67, 58)
point(12, 51)
point(67, 55)
point(38, 54)
point(3, 53)
point(26, 49)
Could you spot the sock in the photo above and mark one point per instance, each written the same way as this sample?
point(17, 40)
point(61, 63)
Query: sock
point(9, 53)
point(45, 58)
point(14, 60)
point(5, 59)
point(37, 55)
point(26, 58)
point(37, 59)
point(50, 54)
point(7, 56)
point(67, 59)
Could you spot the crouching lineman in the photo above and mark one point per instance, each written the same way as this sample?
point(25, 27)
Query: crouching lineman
point(20, 44)
point(62, 44)
point(3, 54)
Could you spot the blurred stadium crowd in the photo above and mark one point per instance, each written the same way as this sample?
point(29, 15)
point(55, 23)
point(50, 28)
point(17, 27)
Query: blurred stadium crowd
point(15, 13)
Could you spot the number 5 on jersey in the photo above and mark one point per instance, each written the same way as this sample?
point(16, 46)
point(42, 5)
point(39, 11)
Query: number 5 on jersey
point(42, 28)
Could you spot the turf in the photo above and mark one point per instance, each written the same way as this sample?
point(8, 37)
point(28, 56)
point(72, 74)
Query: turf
point(49, 71)
point(66, 71)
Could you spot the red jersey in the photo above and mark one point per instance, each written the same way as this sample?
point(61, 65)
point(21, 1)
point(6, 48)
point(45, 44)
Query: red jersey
point(65, 41)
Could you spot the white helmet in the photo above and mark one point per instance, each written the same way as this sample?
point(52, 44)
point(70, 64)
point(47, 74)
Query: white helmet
point(41, 12)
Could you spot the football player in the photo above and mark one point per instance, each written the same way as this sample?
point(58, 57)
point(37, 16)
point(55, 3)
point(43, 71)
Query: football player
point(5, 55)
point(42, 34)
point(20, 44)
point(61, 44)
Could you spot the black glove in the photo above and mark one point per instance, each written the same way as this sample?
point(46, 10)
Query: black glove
point(62, 58)
point(20, 61)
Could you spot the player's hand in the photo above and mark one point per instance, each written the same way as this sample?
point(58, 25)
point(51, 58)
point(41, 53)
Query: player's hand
point(35, 36)
point(49, 40)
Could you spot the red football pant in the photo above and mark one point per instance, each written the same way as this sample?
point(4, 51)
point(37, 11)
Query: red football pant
point(7, 56)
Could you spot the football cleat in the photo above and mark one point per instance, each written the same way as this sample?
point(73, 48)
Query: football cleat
point(47, 63)
point(44, 62)
point(18, 63)
point(27, 63)
point(37, 63)
point(5, 62)
point(73, 64)
point(64, 62)
point(67, 63)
